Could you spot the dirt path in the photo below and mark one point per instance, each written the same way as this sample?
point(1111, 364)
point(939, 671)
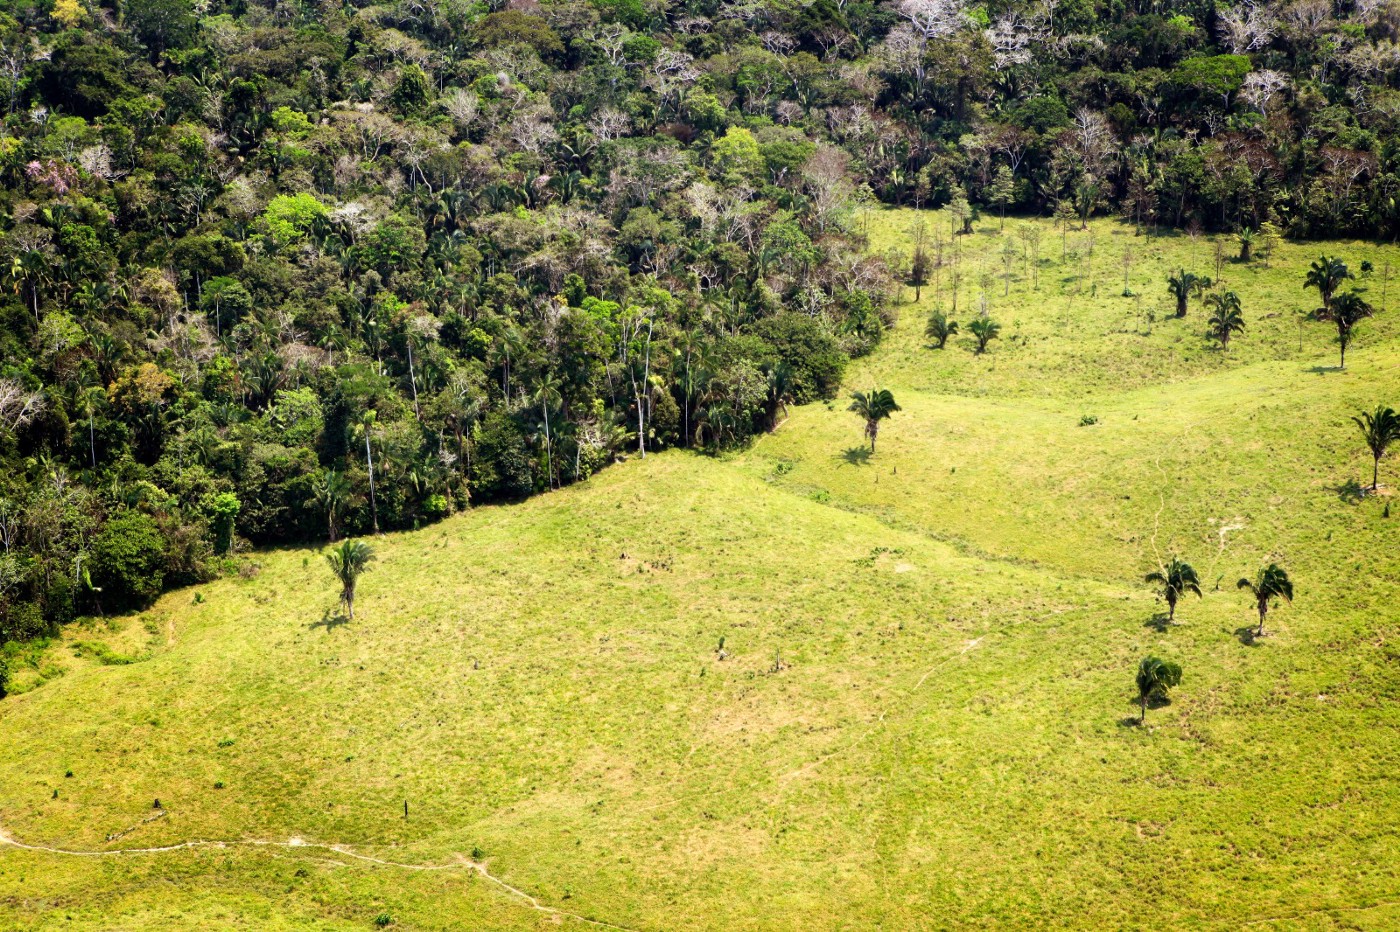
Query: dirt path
point(458, 863)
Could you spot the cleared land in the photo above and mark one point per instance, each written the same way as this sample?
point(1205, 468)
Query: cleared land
point(924, 716)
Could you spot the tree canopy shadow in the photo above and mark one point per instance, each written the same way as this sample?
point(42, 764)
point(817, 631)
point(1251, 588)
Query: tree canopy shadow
point(857, 456)
point(1159, 622)
point(330, 622)
point(1247, 636)
point(1350, 492)
point(1324, 370)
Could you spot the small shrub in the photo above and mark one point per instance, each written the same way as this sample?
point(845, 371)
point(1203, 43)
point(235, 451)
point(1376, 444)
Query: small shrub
point(478, 854)
point(1088, 420)
point(218, 784)
point(383, 920)
point(226, 743)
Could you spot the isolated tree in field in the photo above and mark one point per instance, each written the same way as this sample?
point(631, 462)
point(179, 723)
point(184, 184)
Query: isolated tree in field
point(984, 330)
point(1176, 579)
point(940, 328)
point(1326, 275)
point(1183, 285)
point(1225, 319)
point(874, 407)
point(1268, 585)
point(348, 561)
point(919, 262)
point(330, 490)
point(1002, 191)
point(1247, 238)
point(1379, 430)
point(1344, 311)
point(1155, 677)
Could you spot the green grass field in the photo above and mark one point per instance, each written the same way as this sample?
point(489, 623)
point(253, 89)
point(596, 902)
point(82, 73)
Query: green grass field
point(926, 717)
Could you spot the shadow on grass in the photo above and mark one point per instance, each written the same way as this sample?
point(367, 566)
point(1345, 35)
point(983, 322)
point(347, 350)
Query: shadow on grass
point(1160, 622)
point(1324, 370)
point(1156, 702)
point(857, 456)
point(1248, 636)
point(1350, 492)
point(330, 622)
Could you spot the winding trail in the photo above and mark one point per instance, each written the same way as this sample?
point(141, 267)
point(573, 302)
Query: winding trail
point(459, 863)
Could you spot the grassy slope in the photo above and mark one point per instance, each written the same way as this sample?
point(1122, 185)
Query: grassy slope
point(959, 618)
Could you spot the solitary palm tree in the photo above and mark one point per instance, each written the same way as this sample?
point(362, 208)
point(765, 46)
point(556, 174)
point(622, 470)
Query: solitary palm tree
point(348, 561)
point(1183, 285)
point(1345, 311)
point(1379, 430)
point(940, 328)
point(365, 427)
point(1326, 275)
point(1268, 585)
point(1155, 677)
point(874, 407)
point(330, 490)
point(984, 330)
point(1176, 579)
point(1225, 319)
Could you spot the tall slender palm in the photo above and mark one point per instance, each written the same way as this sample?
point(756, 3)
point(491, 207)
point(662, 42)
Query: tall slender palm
point(1225, 319)
point(365, 427)
point(1176, 579)
point(1155, 677)
point(874, 406)
point(547, 395)
point(1379, 430)
point(330, 490)
point(1268, 585)
point(348, 561)
point(1326, 275)
point(1183, 285)
point(1344, 311)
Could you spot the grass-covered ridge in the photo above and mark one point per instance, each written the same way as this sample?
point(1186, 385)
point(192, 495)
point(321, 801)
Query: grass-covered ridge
point(924, 712)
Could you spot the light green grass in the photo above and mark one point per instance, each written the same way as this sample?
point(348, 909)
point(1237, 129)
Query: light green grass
point(946, 744)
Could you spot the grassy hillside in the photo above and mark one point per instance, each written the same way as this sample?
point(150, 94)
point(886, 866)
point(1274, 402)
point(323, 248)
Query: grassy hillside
point(925, 713)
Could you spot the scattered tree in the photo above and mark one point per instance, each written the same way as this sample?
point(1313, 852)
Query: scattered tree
point(1176, 579)
point(1344, 311)
point(1155, 677)
point(1183, 285)
point(1225, 319)
point(984, 330)
point(874, 407)
point(940, 328)
point(348, 561)
point(1379, 430)
point(1268, 585)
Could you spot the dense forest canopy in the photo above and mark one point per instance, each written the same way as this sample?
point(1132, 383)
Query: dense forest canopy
point(290, 271)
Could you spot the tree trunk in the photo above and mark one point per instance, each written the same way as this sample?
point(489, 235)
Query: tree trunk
point(1376, 474)
point(1263, 610)
point(1142, 703)
point(373, 504)
point(1181, 305)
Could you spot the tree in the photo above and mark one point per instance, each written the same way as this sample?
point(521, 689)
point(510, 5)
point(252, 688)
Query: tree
point(1225, 319)
point(1344, 311)
point(874, 407)
point(365, 428)
point(1268, 585)
point(1326, 275)
point(940, 328)
point(1176, 579)
point(1379, 430)
point(347, 562)
point(1155, 677)
point(984, 330)
point(919, 261)
point(1002, 192)
point(1183, 285)
point(330, 490)
point(128, 560)
point(1247, 239)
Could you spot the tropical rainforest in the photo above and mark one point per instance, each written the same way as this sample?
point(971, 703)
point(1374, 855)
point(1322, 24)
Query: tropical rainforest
point(281, 272)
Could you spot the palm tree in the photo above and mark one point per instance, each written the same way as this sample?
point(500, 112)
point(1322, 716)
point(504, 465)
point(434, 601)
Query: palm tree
point(1155, 677)
point(1326, 275)
point(940, 328)
point(330, 490)
point(1269, 584)
point(1247, 238)
point(984, 330)
point(1379, 430)
point(1226, 318)
point(1183, 285)
point(1345, 311)
point(1176, 579)
point(546, 396)
point(365, 427)
point(874, 407)
point(348, 561)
